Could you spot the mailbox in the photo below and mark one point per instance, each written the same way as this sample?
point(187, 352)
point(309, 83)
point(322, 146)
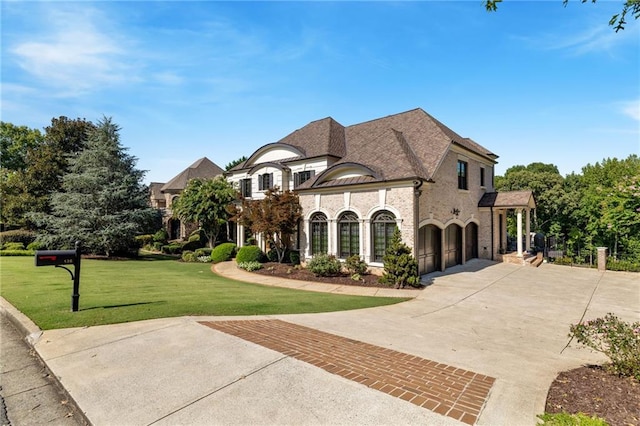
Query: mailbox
point(55, 257)
point(62, 259)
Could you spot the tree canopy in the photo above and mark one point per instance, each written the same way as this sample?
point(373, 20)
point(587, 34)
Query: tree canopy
point(204, 201)
point(235, 162)
point(617, 21)
point(102, 202)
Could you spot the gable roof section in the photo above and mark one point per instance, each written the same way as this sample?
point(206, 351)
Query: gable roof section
point(156, 190)
point(509, 199)
point(202, 168)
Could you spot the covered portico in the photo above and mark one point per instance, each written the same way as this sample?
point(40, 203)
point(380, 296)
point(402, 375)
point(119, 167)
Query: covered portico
point(499, 203)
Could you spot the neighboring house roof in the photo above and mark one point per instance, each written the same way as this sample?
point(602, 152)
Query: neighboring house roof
point(510, 199)
point(203, 168)
point(156, 190)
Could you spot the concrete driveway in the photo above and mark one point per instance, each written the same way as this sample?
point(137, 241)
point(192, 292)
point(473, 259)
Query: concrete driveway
point(504, 323)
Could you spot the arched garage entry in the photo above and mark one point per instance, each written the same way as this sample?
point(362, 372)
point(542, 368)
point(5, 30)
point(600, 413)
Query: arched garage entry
point(471, 241)
point(429, 246)
point(452, 245)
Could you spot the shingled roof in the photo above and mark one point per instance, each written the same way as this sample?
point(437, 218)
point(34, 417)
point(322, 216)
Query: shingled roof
point(408, 145)
point(509, 199)
point(203, 168)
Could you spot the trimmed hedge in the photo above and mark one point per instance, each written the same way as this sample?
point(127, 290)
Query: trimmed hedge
point(18, 236)
point(16, 253)
point(223, 252)
point(13, 246)
point(189, 256)
point(249, 254)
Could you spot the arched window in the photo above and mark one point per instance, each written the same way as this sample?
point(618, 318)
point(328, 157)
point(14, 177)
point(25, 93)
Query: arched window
point(319, 234)
point(349, 235)
point(383, 225)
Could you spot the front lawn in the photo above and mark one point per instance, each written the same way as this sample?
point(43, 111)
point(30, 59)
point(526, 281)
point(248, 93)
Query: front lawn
point(114, 291)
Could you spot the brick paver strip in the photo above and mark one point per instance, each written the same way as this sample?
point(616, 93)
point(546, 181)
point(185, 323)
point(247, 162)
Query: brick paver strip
point(442, 388)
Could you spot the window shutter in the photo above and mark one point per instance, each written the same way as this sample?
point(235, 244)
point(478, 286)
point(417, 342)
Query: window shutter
point(313, 173)
point(296, 180)
point(270, 181)
point(260, 185)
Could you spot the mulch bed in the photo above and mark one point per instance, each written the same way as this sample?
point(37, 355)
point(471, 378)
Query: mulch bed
point(290, 272)
point(593, 390)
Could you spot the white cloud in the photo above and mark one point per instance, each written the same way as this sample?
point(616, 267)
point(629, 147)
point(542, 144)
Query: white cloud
point(72, 54)
point(631, 109)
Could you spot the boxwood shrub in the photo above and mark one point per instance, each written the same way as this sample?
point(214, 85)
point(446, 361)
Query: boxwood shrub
point(325, 265)
point(223, 252)
point(18, 236)
point(249, 254)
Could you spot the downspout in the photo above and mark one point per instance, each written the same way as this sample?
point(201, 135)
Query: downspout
point(492, 233)
point(417, 184)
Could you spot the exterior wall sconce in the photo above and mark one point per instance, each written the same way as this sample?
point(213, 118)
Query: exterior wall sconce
point(455, 211)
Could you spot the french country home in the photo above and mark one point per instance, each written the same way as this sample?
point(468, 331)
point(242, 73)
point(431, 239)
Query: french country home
point(358, 183)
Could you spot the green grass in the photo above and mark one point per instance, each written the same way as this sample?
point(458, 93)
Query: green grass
point(152, 287)
point(566, 419)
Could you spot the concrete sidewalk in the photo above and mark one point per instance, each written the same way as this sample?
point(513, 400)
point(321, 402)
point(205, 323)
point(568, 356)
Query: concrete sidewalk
point(507, 322)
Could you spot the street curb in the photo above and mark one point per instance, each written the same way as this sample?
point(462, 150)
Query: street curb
point(32, 334)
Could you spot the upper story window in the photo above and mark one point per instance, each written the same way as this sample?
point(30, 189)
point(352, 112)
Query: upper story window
point(463, 168)
point(482, 181)
point(301, 177)
point(265, 181)
point(245, 187)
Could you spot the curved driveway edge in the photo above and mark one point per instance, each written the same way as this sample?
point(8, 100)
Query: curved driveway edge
point(230, 270)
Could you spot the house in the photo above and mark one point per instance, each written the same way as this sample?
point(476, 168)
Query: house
point(163, 195)
point(358, 183)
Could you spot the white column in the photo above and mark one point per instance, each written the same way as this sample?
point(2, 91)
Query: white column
point(239, 235)
point(361, 229)
point(307, 240)
point(519, 222)
point(527, 226)
point(366, 247)
point(332, 230)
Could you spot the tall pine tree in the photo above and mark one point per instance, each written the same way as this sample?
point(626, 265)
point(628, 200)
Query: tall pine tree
point(103, 202)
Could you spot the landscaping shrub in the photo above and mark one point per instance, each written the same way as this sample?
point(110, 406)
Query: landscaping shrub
point(566, 419)
point(272, 255)
point(192, 245)
point(355, 265)
point(223, 252)
point(294, 257)
point(623, 265)
point(203, 258)
point(162, 236)
point(618, 340)
point(250, 266)
point(18, 236)
point(36, 246)
point(13, 246)
point(16, 253)
point(249, 254)
point(144, 240)
point(400, 267)
point(325, 265)
point(157, 245)
point(174, 248)
point(204, 251)
point(189, 256)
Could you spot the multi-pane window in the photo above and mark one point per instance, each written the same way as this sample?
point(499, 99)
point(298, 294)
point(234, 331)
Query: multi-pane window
point(481, 176)
point(245, 188)
point(349, 235)
point(463, 168)
point(265, 181)
point(301, 177)
point(319, 234)
point(383, 226)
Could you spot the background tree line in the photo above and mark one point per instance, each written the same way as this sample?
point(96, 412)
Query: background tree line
point(598, 208)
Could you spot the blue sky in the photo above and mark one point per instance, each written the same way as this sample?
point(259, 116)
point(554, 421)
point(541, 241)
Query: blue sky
point(533, 82)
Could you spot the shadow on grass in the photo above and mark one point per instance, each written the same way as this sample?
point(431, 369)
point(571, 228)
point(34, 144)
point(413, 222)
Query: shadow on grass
point(123, 305)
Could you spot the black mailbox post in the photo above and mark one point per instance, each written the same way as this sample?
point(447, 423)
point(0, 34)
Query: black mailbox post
point(62, 259)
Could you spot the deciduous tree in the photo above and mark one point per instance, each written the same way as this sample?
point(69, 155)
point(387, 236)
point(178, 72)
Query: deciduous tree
point(204, 201)
point(276, 217)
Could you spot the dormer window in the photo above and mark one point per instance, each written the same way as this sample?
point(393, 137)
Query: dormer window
point(265, 181)
point(301, 177)
point(463, 168)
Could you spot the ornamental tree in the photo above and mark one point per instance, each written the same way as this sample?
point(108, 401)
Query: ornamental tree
point(276, 217)
point(204, 202)
point(400, 267)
